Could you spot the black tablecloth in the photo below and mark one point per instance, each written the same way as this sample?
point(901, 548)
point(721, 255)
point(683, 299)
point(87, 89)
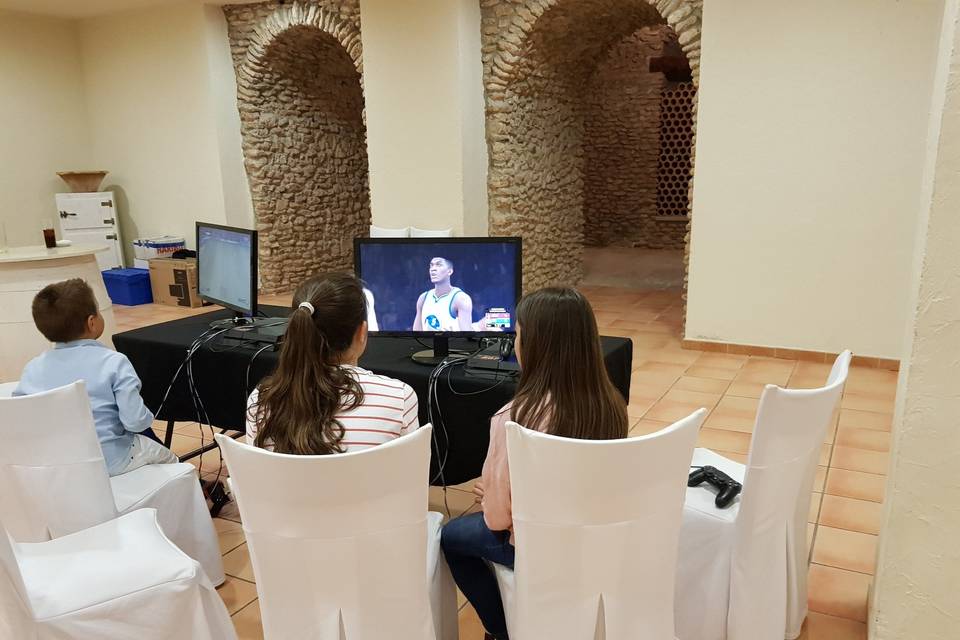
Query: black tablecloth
point(221, 367)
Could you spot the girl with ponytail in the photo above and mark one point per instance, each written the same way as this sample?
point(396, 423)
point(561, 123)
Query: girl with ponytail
point(319, 401)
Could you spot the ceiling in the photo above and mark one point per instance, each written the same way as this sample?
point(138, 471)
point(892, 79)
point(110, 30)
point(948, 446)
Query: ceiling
point(92, 8)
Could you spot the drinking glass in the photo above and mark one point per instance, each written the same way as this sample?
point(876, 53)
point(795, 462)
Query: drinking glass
point(49, 234)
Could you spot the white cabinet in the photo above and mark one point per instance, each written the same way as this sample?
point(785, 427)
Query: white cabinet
point(92, 218)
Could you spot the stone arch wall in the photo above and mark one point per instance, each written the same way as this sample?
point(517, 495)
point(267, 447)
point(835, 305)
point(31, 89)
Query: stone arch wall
point(300, 96)
point(627, 172)
point(537, 58)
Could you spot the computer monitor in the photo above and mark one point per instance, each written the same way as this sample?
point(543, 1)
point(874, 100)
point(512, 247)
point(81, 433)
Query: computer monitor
point(227, 267)
point(440, 287)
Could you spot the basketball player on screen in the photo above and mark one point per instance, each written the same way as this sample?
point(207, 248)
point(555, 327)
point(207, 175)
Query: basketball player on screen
point(445, 307)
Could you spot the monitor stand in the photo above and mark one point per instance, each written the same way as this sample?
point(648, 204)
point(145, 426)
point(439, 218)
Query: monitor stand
point(433, 357)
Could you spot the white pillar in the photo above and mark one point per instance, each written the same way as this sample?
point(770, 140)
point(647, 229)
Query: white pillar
point(916, 595)
point(425, 114)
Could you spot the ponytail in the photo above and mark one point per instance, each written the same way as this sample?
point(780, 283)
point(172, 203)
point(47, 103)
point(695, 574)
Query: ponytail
point(297, 405)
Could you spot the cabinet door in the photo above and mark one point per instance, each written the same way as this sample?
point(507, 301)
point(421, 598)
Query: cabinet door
point(103, 237)
point(85, 210)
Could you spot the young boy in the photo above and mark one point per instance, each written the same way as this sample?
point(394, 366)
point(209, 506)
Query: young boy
point(66, 314)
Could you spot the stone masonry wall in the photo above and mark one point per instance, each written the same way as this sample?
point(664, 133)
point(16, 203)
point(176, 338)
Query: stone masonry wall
point(622, 123)
point(300, 96)
point(538, 56)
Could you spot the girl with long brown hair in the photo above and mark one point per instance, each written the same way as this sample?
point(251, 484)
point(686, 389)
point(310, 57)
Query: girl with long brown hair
point(564, 390)
point(319, 400)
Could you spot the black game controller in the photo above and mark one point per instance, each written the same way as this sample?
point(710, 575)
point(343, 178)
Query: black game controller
point(727, 486)
point(506, 348)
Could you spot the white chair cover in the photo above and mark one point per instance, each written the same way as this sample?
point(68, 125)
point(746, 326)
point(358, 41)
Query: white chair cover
point(742, 573)
point(55, 479)
point(387, 232)
point(596, 525)
point(7, 388)
point(338, 543)
point(118, 580)
point(430, 233)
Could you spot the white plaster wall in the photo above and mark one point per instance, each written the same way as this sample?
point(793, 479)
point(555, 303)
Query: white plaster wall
point(424, 106)
point(915, 593)
point(237, 203)
point(153, 117)
point(810, 142)
point(44, 126)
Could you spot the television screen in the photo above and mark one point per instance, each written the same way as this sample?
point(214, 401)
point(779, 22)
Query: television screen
point(440, 285)
point(226, 271)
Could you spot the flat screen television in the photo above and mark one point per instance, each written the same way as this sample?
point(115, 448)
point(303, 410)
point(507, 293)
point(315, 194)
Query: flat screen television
point(440, 287)
point(227, 267)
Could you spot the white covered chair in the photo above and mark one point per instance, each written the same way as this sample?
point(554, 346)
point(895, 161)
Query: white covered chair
point(387, 232)
point(55, 480)
point(596, 525)
point(6, 389)
point(342, 546)
point(430, 233)
point(117, 580)
point(742, 573)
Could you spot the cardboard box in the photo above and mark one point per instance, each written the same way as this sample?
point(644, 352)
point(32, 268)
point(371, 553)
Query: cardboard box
point(174, 282)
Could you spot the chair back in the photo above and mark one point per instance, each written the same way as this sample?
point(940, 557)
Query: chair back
point(16, 613)
point(7, 389)
point(54, 478)
point(596, 524)
point(430, 233)
point(387, 232)
point(790, 429)
point(338, 543)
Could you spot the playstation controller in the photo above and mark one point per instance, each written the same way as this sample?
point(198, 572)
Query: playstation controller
point(727, 487)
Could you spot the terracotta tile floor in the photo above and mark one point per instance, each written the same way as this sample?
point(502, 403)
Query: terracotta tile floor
point(668, 383)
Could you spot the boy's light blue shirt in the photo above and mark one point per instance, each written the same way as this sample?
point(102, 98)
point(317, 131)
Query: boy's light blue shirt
point(113, 387)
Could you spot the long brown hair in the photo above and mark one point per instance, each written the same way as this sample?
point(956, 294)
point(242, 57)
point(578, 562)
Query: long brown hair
point(297, 405)
point(564, 388)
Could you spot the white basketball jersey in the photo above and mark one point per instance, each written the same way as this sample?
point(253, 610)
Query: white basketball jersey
point(437, 313)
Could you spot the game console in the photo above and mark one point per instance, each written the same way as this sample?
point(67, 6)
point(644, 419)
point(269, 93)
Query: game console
point(496, 358)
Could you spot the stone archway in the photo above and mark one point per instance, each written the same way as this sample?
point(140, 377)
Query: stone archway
point(300, 96)
point(537, 57)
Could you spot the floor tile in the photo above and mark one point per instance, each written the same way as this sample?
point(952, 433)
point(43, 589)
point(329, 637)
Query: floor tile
point(870, 439)
point(865, 420)
point(675, 356)
point(851, 514)
point(816, 499)
point(737, 414)
point(820, 479)
point(236, 594)
point(823, 627)
point(838, 592)
point(457, 503)
point(470, 626)
point(229, 533)
point(703, 385)
point(860, 460)
point(856, 484)
point(677, 404)
point(662, 368)
point(644, 426)
point(867, 402)
point(719, 373)
point(850, 550)
point(724, 440)
point(721, 361)
point(237, 564)
point(247, 622)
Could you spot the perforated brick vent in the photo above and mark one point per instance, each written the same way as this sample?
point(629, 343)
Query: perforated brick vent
point(676, 142)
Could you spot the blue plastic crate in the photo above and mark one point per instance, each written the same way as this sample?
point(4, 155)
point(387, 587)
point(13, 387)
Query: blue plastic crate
point(128, 286)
